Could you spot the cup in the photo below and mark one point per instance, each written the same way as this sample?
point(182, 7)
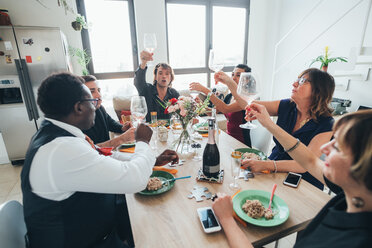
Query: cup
point(154, 119)
point(163, 134)
point(236, 158)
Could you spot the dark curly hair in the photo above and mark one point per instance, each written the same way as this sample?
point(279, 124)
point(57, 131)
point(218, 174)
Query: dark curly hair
point(89, 78)
point(58, 94)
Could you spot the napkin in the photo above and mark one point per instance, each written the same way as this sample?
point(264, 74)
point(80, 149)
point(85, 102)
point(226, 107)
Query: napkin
point(129, 149)
point(159, 168)
point(205, 135)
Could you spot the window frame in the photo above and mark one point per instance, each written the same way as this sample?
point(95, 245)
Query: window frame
point(209, 32)
point(86, 43)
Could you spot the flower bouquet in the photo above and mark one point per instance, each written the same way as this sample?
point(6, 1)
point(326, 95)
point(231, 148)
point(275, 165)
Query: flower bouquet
point(185, 108)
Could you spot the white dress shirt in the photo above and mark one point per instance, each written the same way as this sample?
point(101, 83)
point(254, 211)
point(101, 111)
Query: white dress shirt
point(69, 164)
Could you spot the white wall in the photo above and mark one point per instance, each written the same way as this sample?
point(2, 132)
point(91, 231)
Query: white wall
point(334, 23)
point(31, 13)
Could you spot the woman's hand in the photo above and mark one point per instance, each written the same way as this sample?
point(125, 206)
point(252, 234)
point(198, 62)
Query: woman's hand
point(259, 112)
point(198, 87)
point(223, 207)
point(257, 165)
point(166, 157)
point(225, 79)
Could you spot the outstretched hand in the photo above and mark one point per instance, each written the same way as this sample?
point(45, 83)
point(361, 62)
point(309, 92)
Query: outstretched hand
point(223, 207)
point(166, 157)
point(146, 56)
point(259, 112)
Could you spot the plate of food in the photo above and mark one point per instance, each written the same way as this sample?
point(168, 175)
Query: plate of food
point(201, 127)
point(127, 145)
point(163, 122)
point(158, 183)
point(251, 206)
point(250, 153)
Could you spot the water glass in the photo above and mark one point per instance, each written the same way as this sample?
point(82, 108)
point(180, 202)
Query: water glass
point(235, 169)
point(138, 109)
point(197, 151)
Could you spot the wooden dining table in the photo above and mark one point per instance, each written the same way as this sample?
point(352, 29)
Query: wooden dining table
point(171, 220)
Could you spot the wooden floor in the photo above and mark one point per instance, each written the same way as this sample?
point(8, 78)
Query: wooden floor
point(10, 189)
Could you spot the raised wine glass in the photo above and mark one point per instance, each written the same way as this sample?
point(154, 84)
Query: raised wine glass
point(138, 109)
point(248, 90)
point(149, 42)
point(215, 63)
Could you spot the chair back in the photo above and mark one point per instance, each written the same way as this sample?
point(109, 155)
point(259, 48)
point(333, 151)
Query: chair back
point(12, 225)
point(261, 138)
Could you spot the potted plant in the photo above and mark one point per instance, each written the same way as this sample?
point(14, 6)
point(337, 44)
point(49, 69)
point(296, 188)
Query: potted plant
point(325, 60)
point(79, 23)
point(82, 57)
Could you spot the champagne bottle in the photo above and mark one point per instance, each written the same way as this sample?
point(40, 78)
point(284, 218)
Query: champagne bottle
point(211, 155)
point(216, 129)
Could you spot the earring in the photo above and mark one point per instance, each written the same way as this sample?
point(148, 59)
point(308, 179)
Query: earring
point(357, 202)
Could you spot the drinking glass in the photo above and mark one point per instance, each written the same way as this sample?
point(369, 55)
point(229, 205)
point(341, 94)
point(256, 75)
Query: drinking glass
point(154, 127)
point(248, 90)
point(194, 93)
point(138, 109)
point(235, 169)
point(215, 63)
point(197, 150)
point(149, 42)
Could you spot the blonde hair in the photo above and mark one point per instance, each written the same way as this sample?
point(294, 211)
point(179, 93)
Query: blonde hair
point(355, 134)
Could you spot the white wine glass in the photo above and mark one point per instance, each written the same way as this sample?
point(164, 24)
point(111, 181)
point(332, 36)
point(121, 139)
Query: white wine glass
point(149, 43)
point(235, 169)
point(138, 109)
point(248, 90)
point(215, 63)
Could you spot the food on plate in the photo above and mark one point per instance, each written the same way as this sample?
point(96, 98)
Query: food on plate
point(162, 122)
point(203, 128)
point(154, 183)
point(251, 155)
point(255, 209)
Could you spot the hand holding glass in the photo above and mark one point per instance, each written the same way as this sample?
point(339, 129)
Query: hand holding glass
point(149, 42)
point(138, 109)
point(248, 90)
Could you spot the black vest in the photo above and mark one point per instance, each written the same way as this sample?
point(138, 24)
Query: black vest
point(82, 220)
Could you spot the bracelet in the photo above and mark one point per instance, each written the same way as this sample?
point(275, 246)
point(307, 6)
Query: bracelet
point(276, 168)
point(293, 147)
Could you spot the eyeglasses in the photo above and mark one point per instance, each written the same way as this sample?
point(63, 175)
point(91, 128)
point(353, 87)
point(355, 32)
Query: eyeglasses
point(301, 81)
point(93, 100)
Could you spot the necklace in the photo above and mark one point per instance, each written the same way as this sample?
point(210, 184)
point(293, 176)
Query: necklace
point(302, 123)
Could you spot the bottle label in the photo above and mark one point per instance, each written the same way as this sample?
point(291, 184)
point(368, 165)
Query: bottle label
point(212, 169)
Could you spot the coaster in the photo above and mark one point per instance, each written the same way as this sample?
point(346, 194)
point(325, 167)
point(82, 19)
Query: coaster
point(199, 192)
point(203, 178)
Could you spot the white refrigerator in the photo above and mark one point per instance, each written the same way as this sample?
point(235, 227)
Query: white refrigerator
point(28, 56)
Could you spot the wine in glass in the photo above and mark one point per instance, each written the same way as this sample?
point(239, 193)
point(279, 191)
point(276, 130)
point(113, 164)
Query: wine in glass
point(138, 109)
point(149, 42)
point(215, 63)
point(248, 90)
point(235, 169)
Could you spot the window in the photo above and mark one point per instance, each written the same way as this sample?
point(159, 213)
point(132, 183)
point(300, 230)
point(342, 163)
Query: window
point(110, 40)
point(195, 26)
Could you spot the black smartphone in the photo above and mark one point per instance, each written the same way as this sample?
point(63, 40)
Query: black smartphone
point(292, 179)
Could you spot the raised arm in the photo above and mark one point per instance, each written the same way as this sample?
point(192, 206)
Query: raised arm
point(301, 154)
point(220, 105)
point(140, 73)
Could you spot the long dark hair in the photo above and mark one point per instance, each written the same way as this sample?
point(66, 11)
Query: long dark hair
point(167, 67)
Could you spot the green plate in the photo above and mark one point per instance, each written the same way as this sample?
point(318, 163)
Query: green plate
point(127, 145)
point(199, 127)
point(162, 175)
point(258, 152)
point(278, 206)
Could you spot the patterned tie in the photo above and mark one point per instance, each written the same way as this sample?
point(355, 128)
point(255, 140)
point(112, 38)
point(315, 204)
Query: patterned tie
point(90, 141)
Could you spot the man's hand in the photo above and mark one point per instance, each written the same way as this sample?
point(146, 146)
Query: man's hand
point(143, 133)
point(166, 157)
point(126, 126)
point(145, 57)
point(128, 136)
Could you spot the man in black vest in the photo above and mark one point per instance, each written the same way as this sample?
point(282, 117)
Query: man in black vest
point(68, 187)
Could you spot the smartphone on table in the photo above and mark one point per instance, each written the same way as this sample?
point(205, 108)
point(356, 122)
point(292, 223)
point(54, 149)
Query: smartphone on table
point(292, 179)
point(208, 220)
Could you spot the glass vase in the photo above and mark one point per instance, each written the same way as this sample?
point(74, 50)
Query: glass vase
point(182, 144)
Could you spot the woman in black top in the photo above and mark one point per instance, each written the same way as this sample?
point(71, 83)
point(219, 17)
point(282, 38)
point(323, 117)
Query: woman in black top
point(158, 93)
point(346, 219)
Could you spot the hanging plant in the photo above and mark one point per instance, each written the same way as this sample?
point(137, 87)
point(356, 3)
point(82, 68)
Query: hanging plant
point(82, 58)
point(79, 23)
